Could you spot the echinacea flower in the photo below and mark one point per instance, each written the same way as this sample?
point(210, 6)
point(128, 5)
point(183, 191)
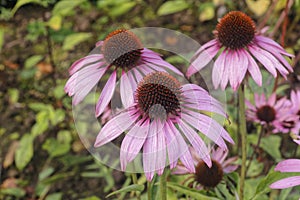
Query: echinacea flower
point(205, 176)
point(289, 165)
point(163, 114)
point(123, 50)
point(295, 109)
point(270, 111)
point(239, 43)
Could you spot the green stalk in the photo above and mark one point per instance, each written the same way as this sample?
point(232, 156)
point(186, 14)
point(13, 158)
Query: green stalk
point(134, 180)
point(243, 134)
point(163, 186)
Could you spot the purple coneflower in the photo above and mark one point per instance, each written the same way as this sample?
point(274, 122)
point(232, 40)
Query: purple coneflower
point(289, 165)
point(205, 176)
point(270, 112)
point(120, 50)
point(163, 114)
point(295, 109)
point(239, 43)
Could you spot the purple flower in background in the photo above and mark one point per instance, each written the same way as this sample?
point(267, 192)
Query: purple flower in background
point(238, 44)
point(209, 176)
point(289, 165)
point(270, 112)
point(120, 50)
point(295, 109)
point(163, 114)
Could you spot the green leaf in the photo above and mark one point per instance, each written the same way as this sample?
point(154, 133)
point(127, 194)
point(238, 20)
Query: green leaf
point(13, 95)
point(32, 61)
point(24, 152)
point(20, 3)
point(273, 176)
point(66, 7)
point(134, 187)
point(1, 38)
point(45, 173)
point(41, 124)
point(17, 192)
point(64, 136)
point(55, 22)
point(54, 196)
point(189, 191)
point(271, 145)
point(38, 106)
point(72, 40)
point(207, 12)
point(55, 148)
point(91, 198)
point(59, 92)
point(122, 9)
point(171, 7)
point(59, 116)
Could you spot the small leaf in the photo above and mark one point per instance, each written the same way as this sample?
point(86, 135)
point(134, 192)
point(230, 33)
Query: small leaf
point(54, 196)
point(32, 61)
point(59, 92)
point(66, 7)
point(258, 7)
point(41, 124)
point(91, 198)
point(20, 3)
point(55, 148)
point(1, 38)
point(72, 40)
point(38, 106)
point(207, 12)
point(122, 9)
point(13, 95)
point(189, 191)
point(134, 187)
point(171, 7)
point(55, 22)
point(24, 152)
point(17, 192)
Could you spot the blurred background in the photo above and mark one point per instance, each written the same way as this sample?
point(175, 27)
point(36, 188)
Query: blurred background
point(41, 155)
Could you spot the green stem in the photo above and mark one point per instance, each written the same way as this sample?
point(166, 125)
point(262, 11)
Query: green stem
point(243, 134)
point(163, 186)
point(134, 180)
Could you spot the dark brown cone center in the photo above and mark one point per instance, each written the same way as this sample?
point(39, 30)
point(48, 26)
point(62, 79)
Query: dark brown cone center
point(209, 177)
point(266, 113)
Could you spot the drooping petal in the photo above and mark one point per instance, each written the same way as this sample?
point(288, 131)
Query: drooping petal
point(154, 150)
point(207, 45)
point(261, 39)
point(182, 148)
point(126, 91)
point(260, 55)
point(286, 183)
point(289, 165)
point(196, 141)
point(149, 56)
point(202, 60)
point(114, 127)
point(88, 60)
point(232, 63)
point(253, 69)
point(218, 70)
point(106, 94)
point(133, 142)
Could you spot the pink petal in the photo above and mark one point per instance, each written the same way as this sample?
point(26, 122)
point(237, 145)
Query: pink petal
point(286, 183)
point(202, 60)
point(208, 127)
point(272, 99)
point(230, 168)
point(243, 66)
point(106, 94)
point(154, 152)
point(126, 91)
point(253, 69)
point(180, 170)
point(232, 63)
point(207, 45)
point(264, 40)
point(289, 165)
point(88, 60)
point(133, 142)
point(219, 155)
point(261, 56)
point(196, 142)
point(115, 127)
point(149, 56)
point(99, 43)
point(218, 70)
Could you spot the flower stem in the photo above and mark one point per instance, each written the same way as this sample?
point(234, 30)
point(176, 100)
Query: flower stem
point(163, 186)
point(134, 180)
point(243, 134)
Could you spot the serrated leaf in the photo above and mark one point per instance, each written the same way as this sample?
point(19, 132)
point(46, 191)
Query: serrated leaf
point(65, 7)
point(24, 152)
point(189, 191)
point(130, 188)
point(171, 7)
point(72, 40)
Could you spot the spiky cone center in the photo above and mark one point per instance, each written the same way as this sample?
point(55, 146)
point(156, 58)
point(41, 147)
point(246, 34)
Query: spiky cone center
point(122, 48)
point(266, 113)
point(209, 177)
point(235, 30)
point(159, 95)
